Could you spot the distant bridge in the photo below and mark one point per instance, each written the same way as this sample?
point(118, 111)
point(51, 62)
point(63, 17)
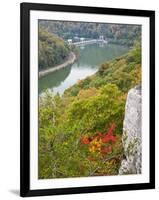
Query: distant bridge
point(84, 42)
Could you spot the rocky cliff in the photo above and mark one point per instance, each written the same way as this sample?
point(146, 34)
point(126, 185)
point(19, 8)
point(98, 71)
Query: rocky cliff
point(132, 133)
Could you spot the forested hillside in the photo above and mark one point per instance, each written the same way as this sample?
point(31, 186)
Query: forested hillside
point(80, 131)
point(114, 33)
point(52, 49)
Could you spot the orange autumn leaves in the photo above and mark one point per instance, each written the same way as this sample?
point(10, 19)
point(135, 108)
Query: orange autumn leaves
point(101, 142)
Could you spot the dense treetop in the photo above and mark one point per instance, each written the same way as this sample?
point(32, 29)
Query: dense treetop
point(52, 49)
point(80, 131)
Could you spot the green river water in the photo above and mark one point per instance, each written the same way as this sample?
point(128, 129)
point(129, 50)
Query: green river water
point(91, 56)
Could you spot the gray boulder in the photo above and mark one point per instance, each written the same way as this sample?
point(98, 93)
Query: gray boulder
point(132, 133)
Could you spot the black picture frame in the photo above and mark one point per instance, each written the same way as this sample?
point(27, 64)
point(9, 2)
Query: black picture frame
point(25, 9)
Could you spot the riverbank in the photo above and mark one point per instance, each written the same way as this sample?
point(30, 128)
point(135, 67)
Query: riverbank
point(71, 59)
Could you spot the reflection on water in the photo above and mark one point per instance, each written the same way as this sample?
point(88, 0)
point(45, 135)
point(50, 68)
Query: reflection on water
point(72, 78)
point(91, 56)
point(54, 79)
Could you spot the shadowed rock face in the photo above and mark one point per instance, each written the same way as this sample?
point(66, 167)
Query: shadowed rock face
point(132, 133)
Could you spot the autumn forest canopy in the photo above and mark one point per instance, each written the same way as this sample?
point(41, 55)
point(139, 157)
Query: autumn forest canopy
point(52, 49)
point(80, 131)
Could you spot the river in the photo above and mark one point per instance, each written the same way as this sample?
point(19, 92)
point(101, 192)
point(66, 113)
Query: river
point(91, 56)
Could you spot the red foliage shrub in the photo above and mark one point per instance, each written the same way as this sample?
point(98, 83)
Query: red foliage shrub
point(98, 142)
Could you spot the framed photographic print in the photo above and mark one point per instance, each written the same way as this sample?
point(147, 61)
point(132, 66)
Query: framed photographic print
point(87, 99)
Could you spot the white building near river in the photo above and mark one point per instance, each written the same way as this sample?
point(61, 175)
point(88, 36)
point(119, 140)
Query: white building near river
point(69, 41)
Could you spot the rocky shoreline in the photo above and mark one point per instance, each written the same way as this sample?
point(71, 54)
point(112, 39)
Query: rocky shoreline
point(71, 59)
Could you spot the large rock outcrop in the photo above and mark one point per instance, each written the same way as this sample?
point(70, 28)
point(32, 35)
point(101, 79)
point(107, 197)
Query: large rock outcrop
point(132, 133)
